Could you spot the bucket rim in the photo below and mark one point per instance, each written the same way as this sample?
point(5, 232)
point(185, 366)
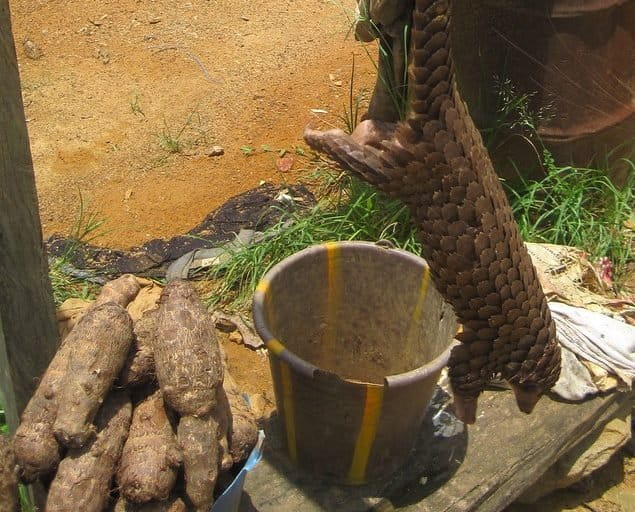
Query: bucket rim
point(279, 350)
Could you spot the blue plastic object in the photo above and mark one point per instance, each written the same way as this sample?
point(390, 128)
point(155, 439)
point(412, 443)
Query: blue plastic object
point(229, 501)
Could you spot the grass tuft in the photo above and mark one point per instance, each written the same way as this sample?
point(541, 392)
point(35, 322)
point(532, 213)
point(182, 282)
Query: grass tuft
point(580, 207)
point(355, 211)
point(85, 229)
point(356, 102)
point(190, 134)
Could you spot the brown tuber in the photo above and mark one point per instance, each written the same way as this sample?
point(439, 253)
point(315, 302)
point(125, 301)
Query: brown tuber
point(9, 498)
point(151, 457)
point(187, 357)
point(172, 504)
point(243, 433)
point(35, 446)
point(139, 366)
point(121, 291)
point(82, 482)
point(199, 441)
point(99, 344)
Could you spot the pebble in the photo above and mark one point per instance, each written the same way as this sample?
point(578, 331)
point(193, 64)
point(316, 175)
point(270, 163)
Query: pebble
point(258, 404)
point(236, 337)
point(103, 55)
point(31, 50)
point(216, 151)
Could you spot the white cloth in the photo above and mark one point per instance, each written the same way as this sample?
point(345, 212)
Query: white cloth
point(597, 338)
point(575, 382)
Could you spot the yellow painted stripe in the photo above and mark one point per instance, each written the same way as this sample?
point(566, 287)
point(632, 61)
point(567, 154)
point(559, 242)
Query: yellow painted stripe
point(275, 346)
point(263, 286)
point(333, 299)
point(289, 415)
point(418, 309)
point(367, 433)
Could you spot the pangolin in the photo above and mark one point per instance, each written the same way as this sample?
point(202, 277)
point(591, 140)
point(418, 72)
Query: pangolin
point(435, 161)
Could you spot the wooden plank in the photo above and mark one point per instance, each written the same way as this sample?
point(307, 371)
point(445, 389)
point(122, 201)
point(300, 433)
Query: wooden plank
point(484, 468)
point(28, 337)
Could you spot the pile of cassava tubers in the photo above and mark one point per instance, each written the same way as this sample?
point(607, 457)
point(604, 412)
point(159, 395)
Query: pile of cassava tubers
point(136, 415)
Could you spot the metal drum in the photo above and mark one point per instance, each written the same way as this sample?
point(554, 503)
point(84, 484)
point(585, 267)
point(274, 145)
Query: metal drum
point(577, 60)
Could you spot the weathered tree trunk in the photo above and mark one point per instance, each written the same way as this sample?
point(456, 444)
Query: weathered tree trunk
point(28, 335)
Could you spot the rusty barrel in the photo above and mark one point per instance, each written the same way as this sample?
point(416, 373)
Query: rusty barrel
point(576, 58)
point(357, 335)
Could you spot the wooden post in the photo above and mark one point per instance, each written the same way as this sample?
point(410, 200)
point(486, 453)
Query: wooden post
point(28, 333)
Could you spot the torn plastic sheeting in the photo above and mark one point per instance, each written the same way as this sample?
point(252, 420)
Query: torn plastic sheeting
point(203, 258)
point(229, 501)
point(206, 258)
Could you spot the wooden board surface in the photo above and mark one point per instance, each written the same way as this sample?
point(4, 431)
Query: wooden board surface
point(485, 467)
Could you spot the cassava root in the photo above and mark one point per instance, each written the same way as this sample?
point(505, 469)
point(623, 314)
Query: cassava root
point(83, 478)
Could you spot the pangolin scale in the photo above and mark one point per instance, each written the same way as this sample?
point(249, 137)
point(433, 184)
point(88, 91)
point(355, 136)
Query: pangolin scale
point(436, 162)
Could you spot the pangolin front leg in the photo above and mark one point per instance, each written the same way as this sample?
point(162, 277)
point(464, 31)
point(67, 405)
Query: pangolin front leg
point(436, 162)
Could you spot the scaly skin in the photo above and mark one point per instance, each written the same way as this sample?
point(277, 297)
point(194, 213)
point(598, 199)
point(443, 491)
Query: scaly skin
point(436, 162)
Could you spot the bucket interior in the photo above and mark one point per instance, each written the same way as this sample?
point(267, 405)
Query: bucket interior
point(358, 310)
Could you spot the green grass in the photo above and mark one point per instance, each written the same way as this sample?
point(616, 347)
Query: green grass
point(68, 287)
point(351, 211)
point(356, 102)
point(85, 229)
point(191, 133)
point(576, 206)
point(580, 207)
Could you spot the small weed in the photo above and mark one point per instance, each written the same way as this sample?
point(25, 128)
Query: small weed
point(247, 150)
point(514, 115)
point(87, 222)
point(356, 102)
point(135, 106)
point(189, 134)
point(266, 148)
point(398, 92)
point(168, 142)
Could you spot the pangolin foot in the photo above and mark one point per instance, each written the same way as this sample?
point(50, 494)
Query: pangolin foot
point(465, 408)
point(526, 397)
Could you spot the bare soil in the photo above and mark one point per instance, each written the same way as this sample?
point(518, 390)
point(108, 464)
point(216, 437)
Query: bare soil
point(114, 83)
